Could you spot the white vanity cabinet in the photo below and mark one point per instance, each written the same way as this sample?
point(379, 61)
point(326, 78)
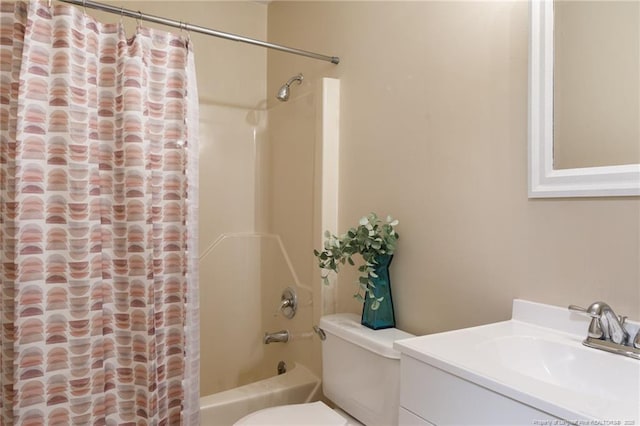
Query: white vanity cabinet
point(530, 370)
point(431, 396)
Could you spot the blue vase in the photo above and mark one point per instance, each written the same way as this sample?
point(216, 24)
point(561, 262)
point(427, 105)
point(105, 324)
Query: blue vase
point(383, 317)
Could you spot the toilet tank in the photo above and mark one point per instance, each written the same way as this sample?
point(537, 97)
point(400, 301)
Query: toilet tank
point(361, 370)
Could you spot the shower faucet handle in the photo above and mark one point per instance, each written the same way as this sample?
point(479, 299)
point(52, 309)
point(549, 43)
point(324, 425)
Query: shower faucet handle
point(288, 303)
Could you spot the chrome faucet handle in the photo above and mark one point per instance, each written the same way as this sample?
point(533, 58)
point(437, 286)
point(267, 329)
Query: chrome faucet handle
point(595, 328)
point(288, 303)
point(595, 310)
point(582, 310)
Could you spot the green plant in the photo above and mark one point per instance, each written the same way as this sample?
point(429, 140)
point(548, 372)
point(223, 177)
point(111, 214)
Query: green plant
point(373, 237)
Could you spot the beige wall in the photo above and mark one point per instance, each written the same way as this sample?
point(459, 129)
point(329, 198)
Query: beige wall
point(434, 132)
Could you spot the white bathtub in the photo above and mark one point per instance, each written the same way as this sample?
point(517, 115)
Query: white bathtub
point(296, 386)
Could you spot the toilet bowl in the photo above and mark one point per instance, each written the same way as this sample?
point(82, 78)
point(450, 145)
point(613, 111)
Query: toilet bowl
point(311, 413)
point(361, 375)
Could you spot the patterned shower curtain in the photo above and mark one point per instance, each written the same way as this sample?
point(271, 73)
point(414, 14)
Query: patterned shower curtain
point(98, 204)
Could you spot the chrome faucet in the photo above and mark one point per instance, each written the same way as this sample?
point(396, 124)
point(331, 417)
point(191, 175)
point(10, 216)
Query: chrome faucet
point(605, 324)
point(607, 330)
point(281, 336)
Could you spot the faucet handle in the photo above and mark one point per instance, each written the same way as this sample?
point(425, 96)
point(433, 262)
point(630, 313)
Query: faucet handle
point(585, 311)
point(288, 302)
point(595, 329)
point(577, 308)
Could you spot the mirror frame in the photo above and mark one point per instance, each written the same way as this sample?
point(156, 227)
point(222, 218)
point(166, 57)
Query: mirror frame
point(544, 180)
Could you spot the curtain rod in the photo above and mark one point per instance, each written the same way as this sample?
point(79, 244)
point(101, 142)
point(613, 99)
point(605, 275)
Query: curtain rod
point(198, 29)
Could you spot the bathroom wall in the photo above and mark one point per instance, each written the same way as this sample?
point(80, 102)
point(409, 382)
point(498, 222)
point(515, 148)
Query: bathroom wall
point(434, 132)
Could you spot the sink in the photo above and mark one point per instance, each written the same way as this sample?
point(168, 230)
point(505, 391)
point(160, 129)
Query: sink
point(574, 368)
point(539, 364)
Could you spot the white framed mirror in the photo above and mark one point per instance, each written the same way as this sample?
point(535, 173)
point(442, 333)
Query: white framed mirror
point(545, 180)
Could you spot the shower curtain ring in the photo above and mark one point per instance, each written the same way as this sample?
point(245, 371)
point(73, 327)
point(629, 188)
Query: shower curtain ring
point(139, 19)
point(184, 28)
point(121, 15)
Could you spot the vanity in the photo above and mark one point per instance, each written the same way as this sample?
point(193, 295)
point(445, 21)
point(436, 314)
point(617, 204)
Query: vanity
point(531, 370)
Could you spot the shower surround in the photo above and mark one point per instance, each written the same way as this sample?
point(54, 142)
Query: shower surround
point(290, 153)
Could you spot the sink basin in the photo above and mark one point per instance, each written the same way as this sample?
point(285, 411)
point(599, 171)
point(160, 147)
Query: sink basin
point(543, 367)
point(575, 368)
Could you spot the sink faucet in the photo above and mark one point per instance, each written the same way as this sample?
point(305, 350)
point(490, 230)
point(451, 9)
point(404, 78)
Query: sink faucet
point(605, 324)
point(607, 331)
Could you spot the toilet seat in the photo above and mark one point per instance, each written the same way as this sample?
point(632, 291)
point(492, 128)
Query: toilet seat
point(312, 413)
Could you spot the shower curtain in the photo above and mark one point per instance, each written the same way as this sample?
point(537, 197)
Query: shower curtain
point(98, 205)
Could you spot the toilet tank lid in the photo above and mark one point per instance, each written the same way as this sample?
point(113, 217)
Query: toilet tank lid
point(348, 327)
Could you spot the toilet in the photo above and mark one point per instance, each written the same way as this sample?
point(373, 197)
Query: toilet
point(360, 375)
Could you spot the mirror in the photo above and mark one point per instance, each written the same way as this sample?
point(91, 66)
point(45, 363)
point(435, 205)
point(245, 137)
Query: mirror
point(596, 90)
point(580, 167)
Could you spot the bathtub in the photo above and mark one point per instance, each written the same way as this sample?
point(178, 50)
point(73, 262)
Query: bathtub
point(296, 386)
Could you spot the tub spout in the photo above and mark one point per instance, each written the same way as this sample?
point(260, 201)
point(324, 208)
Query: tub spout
point(281, 336)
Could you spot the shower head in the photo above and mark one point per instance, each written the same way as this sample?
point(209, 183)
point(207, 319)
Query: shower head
point(283, 93)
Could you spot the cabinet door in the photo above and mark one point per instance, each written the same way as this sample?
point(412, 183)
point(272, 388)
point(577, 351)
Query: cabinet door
point(444, 399)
